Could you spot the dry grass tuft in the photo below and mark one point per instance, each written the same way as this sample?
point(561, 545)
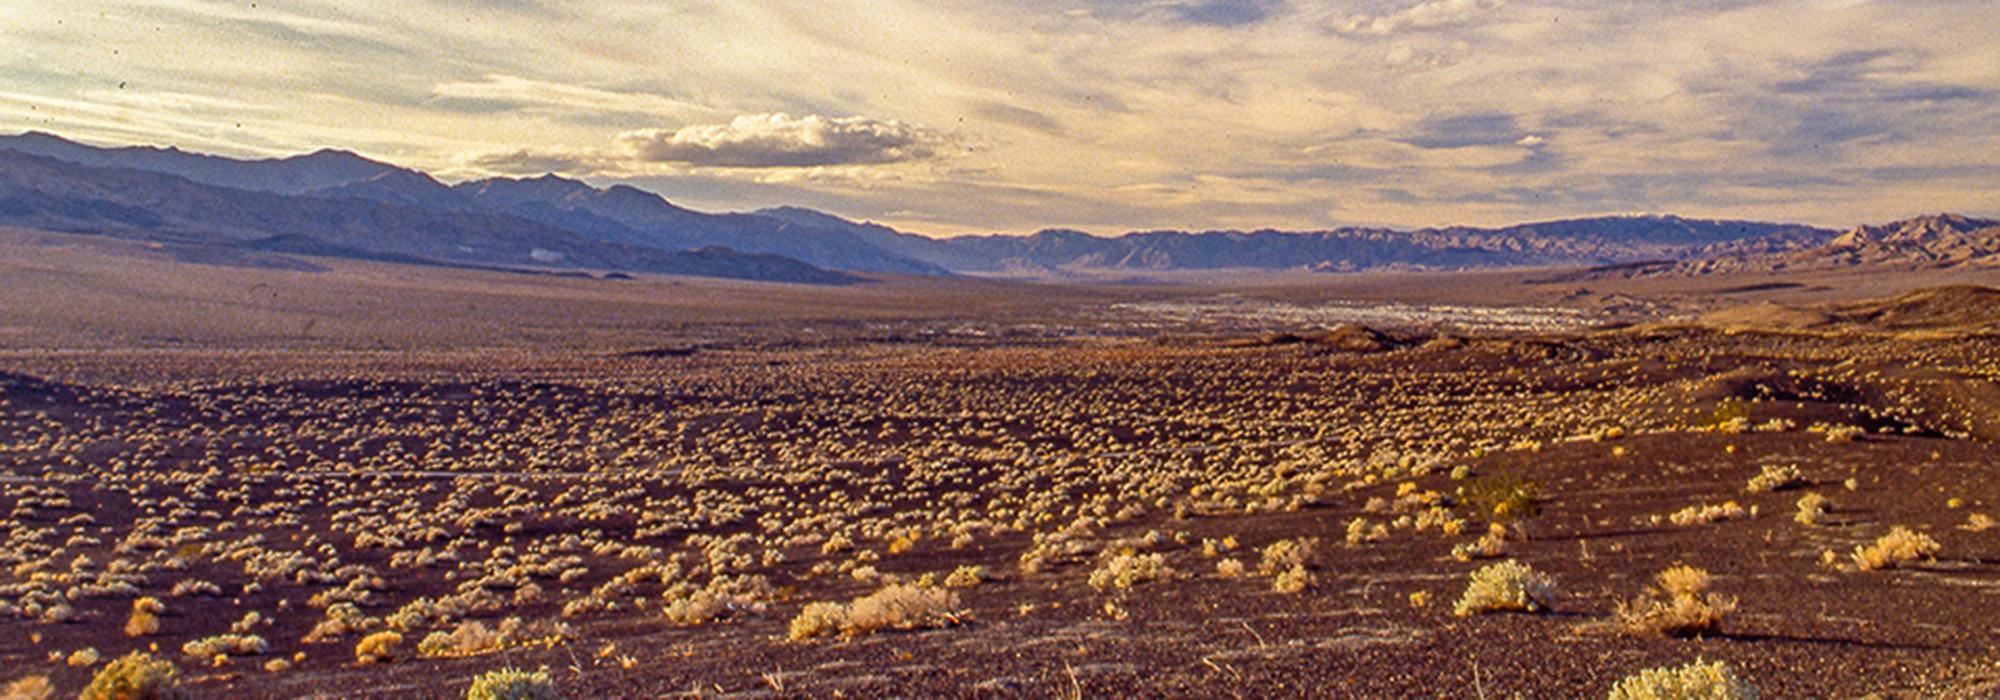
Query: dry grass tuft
point(1678, 606)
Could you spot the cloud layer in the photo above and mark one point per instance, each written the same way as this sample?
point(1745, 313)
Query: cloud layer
point(958, 116)
point(784, 141)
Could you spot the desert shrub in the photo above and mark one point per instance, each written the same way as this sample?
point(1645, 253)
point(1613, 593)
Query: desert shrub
point(902, 606)
point(1703, 515)
point(1813, 509)
point(697, 607)
point(1507, 586)
point(135, 676)
point(966, 577)
point(1285, 555)
point(1490, 545)
point(1679, 605)
point(341, 619)
point(379, 647)
point(1901, 546)
point(29, 688)
point(512, 684)
point(1695, 681)
point(468, 638)
point(1125, 570)
point(1506, 500)
point(1777, 478)
point(225, 645)
point(1292, 580)
point(818, 620)
point(1360, 531)
point(145, 617)
point(1229, 567)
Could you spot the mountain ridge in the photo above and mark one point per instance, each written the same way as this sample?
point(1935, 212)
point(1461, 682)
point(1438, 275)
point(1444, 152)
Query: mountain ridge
point(629, 218)
point(45, 193)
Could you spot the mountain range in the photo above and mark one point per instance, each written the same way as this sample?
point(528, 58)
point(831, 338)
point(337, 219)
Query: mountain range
point(1933, 242)
point(335, 203)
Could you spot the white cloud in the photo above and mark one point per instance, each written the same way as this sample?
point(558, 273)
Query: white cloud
point(781, 140)
point(1429, 14)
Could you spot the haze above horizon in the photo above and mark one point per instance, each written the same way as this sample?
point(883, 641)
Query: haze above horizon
point(951, 117)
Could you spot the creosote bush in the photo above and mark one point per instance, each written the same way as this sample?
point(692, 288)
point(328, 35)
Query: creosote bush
point(512, 684)
point(136, 676)
point(1695, 681)
point(1507, 586)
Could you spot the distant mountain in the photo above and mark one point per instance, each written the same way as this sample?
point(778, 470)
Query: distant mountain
point(1596, 241)
point(45, 193)
point(620, 214)
point(942, 253)
point(633, 216)
point(402, 187)
point(294, 175)
point(1938, 242)
point(358, 204)
point(1941, 241)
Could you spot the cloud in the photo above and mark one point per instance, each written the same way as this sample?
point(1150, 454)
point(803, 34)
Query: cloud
point(1224, 13)
point(1018, 116)
point(495, 92)
point(1488, 129)
point(536, 162)
point(781, 140)
point(1864, 97)
point(1429, 14)
point(1212, 13)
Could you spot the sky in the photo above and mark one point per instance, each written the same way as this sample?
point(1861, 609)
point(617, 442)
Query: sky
point(948, 116)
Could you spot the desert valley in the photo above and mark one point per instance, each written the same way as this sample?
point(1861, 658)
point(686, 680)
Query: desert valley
point(640, 349)
point(1767, 448)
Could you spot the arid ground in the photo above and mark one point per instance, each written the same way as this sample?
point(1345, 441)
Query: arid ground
point(1206, 486)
